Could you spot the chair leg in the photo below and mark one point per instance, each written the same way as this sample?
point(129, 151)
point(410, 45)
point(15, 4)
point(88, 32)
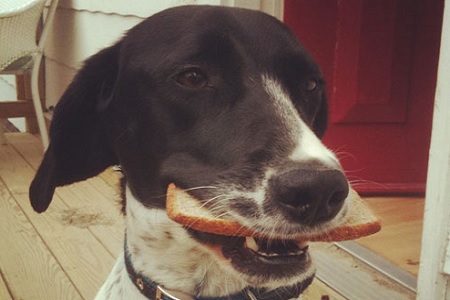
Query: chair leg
point(3, 140)
point(37, 101)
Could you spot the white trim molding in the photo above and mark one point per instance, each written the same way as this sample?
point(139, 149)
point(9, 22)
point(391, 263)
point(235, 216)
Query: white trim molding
point(433, 283)
point(271, 7)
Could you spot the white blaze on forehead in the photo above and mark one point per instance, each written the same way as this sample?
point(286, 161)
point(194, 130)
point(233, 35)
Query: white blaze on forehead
point(283, 106)
point(310, 147)
point(307, 144)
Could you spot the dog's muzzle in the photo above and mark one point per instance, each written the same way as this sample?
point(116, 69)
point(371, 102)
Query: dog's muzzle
point(153, 291)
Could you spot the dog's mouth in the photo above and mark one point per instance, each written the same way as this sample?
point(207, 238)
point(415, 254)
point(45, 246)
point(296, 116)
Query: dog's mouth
point(273, 249)
point(260, 257)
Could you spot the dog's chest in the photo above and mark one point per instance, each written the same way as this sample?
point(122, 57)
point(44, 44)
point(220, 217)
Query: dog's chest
point(163, 251)
point(119, 286)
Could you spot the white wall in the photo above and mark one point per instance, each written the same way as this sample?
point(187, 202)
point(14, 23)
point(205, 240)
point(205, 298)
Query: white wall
point(83, 27)
point(434, 272)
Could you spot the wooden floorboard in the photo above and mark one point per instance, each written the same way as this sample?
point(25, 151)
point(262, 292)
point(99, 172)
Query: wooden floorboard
point(319, 290)
point(84, 249)
point(68, 251)
point(399, 240)
point(37, 274)
point(91, 204)
point(4, 292)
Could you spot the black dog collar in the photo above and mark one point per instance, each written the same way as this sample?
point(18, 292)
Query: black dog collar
point(153, 291)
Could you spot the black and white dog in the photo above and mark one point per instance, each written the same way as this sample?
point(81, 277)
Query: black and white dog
point(226, 104)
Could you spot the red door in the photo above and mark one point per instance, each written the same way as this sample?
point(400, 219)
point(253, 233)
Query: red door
point(379, 58)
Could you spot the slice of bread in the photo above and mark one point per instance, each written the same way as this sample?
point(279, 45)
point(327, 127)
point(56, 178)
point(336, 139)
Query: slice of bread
point(188, 211)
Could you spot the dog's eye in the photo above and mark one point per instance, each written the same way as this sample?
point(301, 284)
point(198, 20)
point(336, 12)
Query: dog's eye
point(310, 85)
point(193, 78)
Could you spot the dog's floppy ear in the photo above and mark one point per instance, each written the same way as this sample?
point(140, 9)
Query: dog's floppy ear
point(79, 146)
point(320, 123)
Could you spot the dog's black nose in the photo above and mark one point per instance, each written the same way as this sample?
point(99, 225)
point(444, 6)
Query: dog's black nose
point(310, 195)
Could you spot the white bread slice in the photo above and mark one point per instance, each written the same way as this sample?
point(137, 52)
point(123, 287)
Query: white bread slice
point(188, 211)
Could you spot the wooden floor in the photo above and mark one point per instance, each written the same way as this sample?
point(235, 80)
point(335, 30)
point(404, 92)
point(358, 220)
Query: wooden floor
point(64, 253)
point(68, 251)
point(400, 237)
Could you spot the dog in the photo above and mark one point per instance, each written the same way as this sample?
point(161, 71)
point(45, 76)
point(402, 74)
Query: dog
point(228, 105)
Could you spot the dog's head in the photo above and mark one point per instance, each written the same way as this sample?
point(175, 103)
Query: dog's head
point(223, 102)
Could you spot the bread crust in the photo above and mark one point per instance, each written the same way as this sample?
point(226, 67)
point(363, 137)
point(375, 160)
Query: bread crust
point(188, 211)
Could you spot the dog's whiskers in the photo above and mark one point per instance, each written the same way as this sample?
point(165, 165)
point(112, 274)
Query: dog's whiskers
point(200, 187)
point(207, 202)
point(223, 214)
point(186, 190)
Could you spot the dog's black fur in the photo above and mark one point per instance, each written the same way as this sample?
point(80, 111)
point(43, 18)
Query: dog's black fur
point(124, 106)
point(180, 99)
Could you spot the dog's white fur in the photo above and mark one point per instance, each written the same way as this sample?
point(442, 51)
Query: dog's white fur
point(164, 252)
point(308, 144)
point(308, 148)
point(177, 263)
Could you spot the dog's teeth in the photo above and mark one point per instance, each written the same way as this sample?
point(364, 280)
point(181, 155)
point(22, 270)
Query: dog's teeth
point(251, 244)
point(302, 245)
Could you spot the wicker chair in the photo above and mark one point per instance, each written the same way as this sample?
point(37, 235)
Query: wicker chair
point(21, 51)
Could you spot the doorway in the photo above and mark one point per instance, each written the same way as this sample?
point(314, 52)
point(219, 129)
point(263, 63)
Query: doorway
point(379, 59)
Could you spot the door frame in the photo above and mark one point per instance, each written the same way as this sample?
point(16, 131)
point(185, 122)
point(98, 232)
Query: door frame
point(434, 271)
